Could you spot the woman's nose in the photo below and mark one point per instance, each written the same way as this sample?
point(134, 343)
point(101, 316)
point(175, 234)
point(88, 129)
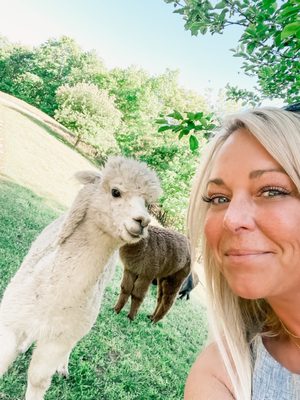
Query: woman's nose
point(239, 215)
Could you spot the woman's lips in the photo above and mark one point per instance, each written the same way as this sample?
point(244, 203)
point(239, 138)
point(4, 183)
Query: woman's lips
point(245, 252)
point(244, 256)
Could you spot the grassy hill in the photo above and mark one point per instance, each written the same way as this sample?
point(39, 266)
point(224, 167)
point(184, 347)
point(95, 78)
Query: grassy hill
point(34, 156)
point(118, 359)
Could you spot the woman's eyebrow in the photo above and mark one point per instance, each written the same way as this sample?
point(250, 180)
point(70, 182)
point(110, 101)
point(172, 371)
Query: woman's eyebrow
point(259, 172)
point(252, 175)
point(216, 181)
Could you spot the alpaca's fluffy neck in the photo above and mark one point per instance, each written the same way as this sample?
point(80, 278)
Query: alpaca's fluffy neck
point(89, 248)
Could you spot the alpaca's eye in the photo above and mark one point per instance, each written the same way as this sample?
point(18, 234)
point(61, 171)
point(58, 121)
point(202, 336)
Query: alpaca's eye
point(116, 193)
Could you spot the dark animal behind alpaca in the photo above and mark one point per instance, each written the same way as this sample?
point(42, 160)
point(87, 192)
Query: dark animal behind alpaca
point(165, 255)
point(188, 285)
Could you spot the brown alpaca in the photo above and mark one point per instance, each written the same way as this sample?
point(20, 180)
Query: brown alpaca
point(164, 255)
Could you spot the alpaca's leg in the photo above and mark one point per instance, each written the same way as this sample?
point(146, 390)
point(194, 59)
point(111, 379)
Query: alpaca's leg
point(159, 295)
point(138, 294)
point(63, 369)
point(47, 357)
point(170, 288)
point(8, 348)
point(126, 289)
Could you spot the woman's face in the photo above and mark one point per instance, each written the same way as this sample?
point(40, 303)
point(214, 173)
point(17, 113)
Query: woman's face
point(253, 222)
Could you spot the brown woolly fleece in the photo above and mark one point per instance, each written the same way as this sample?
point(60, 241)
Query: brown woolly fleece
point(165, 255)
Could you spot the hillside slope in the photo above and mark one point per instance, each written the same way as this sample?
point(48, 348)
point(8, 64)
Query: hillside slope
point(33, 157)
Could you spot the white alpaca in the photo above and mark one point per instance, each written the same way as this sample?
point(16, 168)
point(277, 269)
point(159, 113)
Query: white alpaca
point(55, 296)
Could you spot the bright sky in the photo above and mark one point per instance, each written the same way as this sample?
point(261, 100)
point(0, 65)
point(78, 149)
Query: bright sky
point(144, 33)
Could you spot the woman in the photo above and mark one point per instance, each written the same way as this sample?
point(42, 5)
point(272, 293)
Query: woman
point(245, 208)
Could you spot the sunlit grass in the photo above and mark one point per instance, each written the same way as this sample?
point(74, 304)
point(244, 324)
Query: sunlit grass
point(35, 158)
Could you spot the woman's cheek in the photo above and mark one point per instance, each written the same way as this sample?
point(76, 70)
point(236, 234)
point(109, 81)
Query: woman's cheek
point(212, 231)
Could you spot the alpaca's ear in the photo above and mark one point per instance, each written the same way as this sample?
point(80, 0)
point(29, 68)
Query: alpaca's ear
point(86, 177)
point(76, 213)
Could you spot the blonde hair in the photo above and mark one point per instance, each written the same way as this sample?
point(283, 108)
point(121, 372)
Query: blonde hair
point(235, 321)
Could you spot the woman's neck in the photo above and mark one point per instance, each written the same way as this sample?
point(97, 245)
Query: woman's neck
point(288, 312)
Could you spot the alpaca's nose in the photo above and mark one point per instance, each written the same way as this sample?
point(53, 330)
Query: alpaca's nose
point(143, 221)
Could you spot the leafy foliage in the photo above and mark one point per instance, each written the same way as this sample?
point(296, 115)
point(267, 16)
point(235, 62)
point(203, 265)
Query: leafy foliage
point(246, 96)
point(188, 125)
point(28, 86)
point(89, 112)
point(176, 166)
point(15, 65)
point(53, 63)
point(35, 75)
point(142, 98)
point(269, 44)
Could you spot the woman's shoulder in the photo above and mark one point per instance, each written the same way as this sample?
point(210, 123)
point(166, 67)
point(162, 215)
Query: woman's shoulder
point(208, 377)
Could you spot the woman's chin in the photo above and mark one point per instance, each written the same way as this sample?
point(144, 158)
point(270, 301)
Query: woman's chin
point(247, 291)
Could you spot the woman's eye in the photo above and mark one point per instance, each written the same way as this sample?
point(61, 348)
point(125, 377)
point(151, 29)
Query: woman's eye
point(215, 199)
point(274, 192)
point(116, 193)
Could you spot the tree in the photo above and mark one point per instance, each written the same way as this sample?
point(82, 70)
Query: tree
point(28, 87)
point(88, 68)
point(15, 62)
point(90, 113)
point(53, 63)
point(269, 44)
point(34, 75)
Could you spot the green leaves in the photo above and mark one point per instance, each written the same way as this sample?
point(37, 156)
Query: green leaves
point(247, 97)
point(268, 3)
point(194, 144)
point(89, 112)
point(195, 125)
point(164, 128)
point(220, 5)
point(176, 115)
point(270, 38)
point(292, 29)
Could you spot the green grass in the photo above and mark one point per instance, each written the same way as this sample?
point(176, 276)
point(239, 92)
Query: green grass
point(118, 359)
